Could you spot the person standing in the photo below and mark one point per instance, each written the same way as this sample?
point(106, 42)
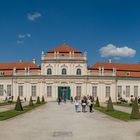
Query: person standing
point(76, 105)
point(90, 104)
point(71, 99)
point(59, 100)
point(84, 103)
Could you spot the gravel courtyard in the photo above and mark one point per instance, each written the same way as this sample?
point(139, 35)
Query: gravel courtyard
point(53, 122)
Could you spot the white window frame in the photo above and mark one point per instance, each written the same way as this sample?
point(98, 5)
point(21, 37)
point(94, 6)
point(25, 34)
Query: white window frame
point(94, 91)
point(64, 71)
point(33, 90)
point(49, 71)
point(9, 90)
point(127, 91)
point(107, 91)
point(20, 90)
point(78, 91)
point(119, 91)
point(135, 91)
point(78, 71)
point(1, 90)
point(49, 91)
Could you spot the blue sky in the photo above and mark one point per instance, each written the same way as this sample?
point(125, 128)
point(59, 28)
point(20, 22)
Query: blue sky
point(104, 28)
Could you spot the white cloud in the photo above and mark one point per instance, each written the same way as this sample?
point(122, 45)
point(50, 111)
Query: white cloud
point(29, 35)
point(20, 42)
point(21, 36)
point(34, 16)
point(116, 52)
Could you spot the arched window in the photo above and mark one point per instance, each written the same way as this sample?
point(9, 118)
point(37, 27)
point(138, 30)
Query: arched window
point(49, 71)
point(64, 71)
point(78, 72)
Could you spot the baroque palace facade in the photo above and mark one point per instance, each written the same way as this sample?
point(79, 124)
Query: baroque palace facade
point(64, 72)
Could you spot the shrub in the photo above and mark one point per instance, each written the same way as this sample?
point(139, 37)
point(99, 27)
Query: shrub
point(135, 114)
point(97, 103)
point(31, 102)
point(18, 106)
point(43, 100)
point(38, 100)
point(110, 105)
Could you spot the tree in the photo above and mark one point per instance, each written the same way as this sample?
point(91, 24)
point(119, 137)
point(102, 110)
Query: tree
point(135, 114)
point(38, 100)
point(18, 106)
point(110, 105)
point(43, 100)
point(97, 103)
point(31, 102)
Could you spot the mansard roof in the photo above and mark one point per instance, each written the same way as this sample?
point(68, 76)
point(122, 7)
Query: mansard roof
point(64, 48)
point(122, 69)
point(17, 65)
point(118, 66)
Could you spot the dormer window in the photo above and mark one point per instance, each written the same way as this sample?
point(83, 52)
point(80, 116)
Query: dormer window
point(78, 72)
point(127, 73)
point(64, 71)
point(49, 71)
point(1, 73)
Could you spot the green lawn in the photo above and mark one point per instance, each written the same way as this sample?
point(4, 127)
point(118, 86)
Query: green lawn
point(12, 113)
point(116, 114)
point(6, 103)
point(124, 104)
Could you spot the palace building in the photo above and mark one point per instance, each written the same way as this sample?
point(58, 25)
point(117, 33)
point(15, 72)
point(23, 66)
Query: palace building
point(64, 72)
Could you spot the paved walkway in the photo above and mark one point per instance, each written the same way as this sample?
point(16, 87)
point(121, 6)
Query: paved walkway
point(53, 122)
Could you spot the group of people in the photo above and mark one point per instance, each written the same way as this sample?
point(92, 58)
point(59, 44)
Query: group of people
point(86, 101)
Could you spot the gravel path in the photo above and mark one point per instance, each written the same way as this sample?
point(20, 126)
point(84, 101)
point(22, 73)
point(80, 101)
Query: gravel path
point(53, 122)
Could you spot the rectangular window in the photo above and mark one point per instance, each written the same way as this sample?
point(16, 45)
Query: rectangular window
point(127, 91)
point(107, 91)
point(94, 91)
point(135, 91)
point(1, 90)
point(49, 91)
point(33, 91)
point(78, 92)
point(119, 91)
point(9, 90)
point(20, 90)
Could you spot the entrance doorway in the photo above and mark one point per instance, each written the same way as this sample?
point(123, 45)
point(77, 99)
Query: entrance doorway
point(64, 93)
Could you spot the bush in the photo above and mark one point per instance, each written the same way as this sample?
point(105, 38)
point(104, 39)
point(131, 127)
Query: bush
point(97, 103)
point(110, 105)
point(31, 102)
point(18, 106)
point(38, 100)
point(43, 100)
point(135, 114)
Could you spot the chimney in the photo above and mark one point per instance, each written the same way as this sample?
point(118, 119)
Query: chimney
point(14, 71)
point(102, 70)
point(34, 61)
point(28, 70)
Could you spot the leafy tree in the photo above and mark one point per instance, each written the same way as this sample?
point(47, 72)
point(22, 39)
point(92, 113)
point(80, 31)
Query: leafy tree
point(31, 102)
point(43, 100)
point(135, 114)
point(97, 103)
point(38, 100)
point(18, 106)
point(110, 105)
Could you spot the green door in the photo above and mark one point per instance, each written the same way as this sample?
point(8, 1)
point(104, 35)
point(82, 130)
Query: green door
point(59, 92)
point(69, 94)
